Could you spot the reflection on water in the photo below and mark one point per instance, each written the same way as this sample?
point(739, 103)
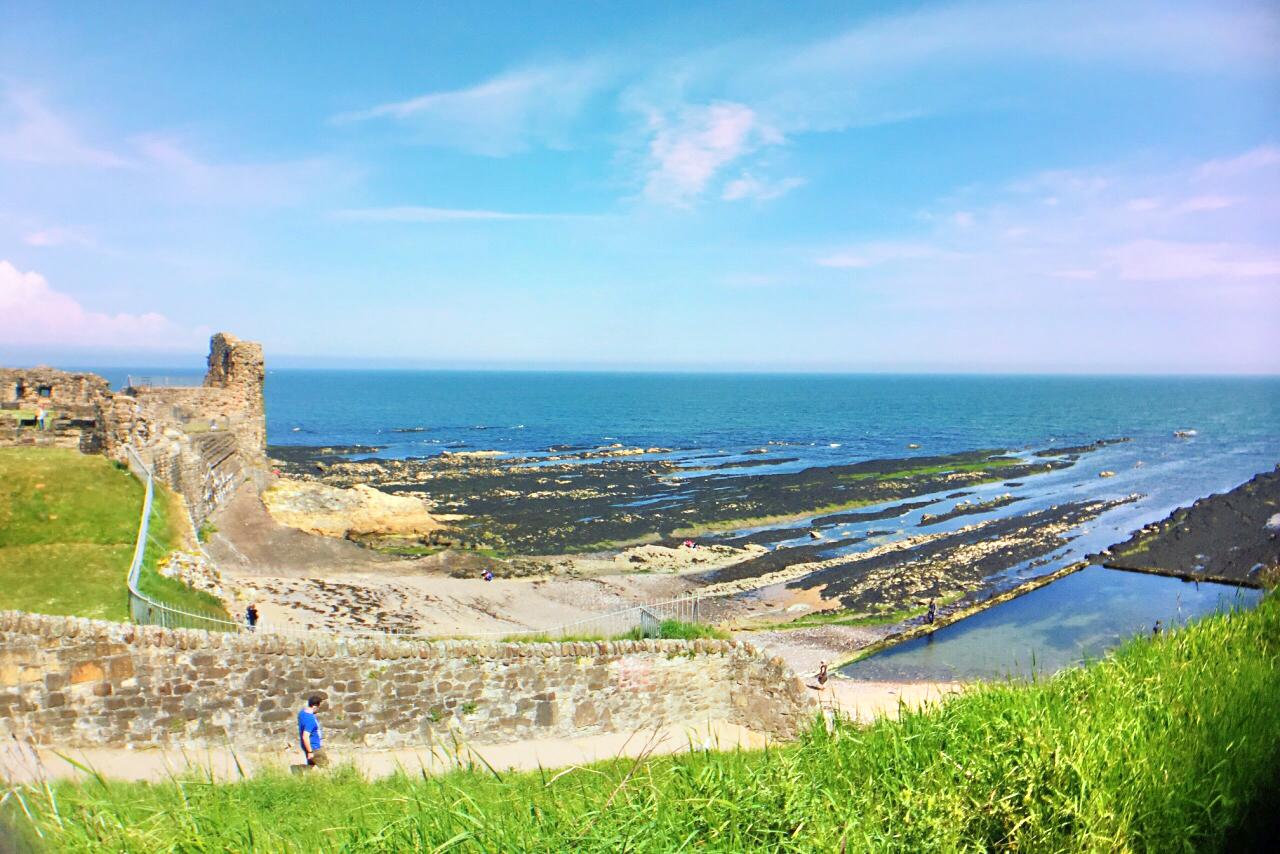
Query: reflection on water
point(1077, 618)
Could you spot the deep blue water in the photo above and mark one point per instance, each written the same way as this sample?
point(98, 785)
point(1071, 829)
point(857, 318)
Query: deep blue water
point(866, 416)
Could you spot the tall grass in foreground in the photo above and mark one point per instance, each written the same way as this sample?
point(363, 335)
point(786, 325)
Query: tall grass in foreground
point(1173, 744)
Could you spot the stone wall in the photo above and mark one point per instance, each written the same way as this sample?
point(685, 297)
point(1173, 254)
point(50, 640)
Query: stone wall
point(77, 682)
point(72, 402)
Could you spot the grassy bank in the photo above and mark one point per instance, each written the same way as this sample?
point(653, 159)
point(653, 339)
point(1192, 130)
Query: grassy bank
point(1173, 744)
point(68, 522)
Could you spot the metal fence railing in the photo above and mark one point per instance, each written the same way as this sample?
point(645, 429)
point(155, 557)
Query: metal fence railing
point(146, 609)
point(149, 381)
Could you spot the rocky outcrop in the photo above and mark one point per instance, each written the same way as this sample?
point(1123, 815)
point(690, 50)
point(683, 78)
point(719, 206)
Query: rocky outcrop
point(351, 512)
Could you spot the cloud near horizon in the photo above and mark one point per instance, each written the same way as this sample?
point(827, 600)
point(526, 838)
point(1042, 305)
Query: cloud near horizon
point(1209, 228)
point(34, 314)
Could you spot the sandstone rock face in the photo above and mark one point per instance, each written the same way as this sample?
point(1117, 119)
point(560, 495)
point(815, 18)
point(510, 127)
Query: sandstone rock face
point(334, 512)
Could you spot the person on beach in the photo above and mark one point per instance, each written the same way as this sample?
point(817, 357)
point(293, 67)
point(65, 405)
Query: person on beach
point(932, 613)
point(1156, 629)
point(822, 675)
point(487, 575)
point(251, 616)
point(309, 733)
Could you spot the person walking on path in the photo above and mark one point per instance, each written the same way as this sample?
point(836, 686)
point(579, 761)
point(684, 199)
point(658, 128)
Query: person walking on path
point(251, 616)
point(822, 675)
point(309, 733)
point(933, 612)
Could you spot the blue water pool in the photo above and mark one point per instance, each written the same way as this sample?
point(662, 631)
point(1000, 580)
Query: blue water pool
point(1060, 625)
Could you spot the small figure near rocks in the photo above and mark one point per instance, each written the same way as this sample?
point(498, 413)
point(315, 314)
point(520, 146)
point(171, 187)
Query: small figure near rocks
point(487, 575)
point(1156, 629)
point(822, 675)
point(251, 616)
point(932, 613)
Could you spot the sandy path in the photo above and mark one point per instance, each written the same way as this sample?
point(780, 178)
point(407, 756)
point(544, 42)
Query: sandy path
point(22, 764)
point(866, 701)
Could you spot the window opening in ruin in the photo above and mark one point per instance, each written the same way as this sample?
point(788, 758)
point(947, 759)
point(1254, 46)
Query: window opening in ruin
point(19, 390)
point(44, 391)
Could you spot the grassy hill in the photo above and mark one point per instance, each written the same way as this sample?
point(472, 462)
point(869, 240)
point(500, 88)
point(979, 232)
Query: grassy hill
point(1172, 744)
point(68, 522)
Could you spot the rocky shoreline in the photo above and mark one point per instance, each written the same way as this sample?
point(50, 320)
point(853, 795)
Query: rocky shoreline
point(1232, 537)
point(609, 498)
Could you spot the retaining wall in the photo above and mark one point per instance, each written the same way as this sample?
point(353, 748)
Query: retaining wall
point(78, 682)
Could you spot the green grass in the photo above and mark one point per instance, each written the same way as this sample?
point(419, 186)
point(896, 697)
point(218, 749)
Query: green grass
point(67, 527)
point(677, 630)
point(1172, 744)
point(942, 468)
point(206, 530)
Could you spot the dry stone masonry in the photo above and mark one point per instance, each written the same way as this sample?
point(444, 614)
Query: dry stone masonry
point(78, 682)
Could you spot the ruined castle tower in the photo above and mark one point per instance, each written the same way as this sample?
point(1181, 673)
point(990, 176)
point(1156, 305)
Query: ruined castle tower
point(238, 367)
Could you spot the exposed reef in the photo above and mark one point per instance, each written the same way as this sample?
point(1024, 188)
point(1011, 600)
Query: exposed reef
point(605, 498)
point(1233, 536)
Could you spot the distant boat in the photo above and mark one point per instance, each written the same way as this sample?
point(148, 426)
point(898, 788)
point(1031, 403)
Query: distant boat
point(1184, 434)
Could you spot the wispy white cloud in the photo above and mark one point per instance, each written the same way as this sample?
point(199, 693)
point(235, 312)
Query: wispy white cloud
point(413, 213)
point(750, 187)
point(687, 151)
point(505, 114)
point(1105, 225)
point(31, 132)
point(174, 161)
point(57, 236)
point(32, 313)
point(875, 254)
point(167, 164)
point(1263, 157)
point(1168, 260)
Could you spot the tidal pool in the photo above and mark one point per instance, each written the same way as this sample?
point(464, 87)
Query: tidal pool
point(1072, 620)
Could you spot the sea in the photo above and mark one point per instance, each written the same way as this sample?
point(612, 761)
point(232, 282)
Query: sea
point(1188, 437)
point(1230, 426)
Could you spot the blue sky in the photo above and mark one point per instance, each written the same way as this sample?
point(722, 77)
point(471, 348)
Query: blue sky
point(779, 186)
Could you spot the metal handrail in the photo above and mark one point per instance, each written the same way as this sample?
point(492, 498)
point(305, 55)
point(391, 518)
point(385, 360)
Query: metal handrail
point(146, 610)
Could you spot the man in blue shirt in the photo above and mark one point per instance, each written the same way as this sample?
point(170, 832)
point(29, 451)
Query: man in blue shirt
point(309, 732)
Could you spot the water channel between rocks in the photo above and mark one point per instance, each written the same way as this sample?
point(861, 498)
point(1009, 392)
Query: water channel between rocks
point(1075, 619)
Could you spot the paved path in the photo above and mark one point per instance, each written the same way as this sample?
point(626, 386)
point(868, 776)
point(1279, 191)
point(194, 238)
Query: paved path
point(20, 763)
